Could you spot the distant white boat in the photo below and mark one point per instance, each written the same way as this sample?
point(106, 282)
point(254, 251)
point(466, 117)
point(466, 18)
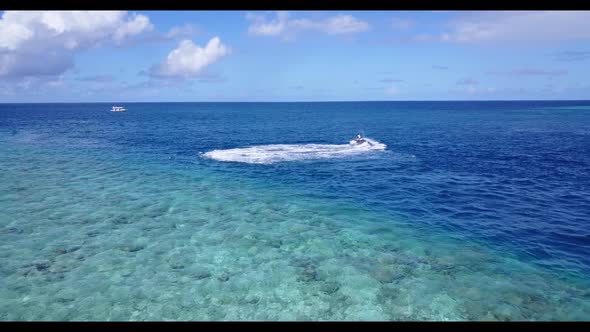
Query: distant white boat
point(118, 109)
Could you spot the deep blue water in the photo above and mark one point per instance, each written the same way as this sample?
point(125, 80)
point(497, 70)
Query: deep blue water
point(511, 176)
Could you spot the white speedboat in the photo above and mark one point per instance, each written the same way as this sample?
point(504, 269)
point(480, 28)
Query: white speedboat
point(118, 109)
point(358, 140)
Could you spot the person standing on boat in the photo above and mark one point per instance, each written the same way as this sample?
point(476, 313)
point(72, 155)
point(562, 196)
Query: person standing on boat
point(359, 138)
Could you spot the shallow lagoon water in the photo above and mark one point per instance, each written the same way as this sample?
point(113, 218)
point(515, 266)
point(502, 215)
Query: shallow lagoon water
point(98, 228)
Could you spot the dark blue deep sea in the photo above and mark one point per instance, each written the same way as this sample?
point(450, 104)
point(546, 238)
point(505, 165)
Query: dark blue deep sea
point(457, 210)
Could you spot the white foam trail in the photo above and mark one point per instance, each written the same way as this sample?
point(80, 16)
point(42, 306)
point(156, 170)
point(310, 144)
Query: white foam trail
point(268, 154)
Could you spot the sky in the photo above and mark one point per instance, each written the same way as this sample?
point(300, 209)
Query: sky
point(151, 56)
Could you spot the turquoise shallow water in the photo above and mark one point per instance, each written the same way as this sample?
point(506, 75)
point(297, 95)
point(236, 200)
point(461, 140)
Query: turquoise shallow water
point(94, 231)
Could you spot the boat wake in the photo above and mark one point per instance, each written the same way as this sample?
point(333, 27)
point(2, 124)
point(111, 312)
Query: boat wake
point(273, 153)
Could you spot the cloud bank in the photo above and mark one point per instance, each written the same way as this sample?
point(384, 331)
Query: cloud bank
point(55, 36)
point(519, 27)
point(287, 28)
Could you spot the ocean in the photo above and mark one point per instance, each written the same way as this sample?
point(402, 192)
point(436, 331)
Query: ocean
point(456, 210)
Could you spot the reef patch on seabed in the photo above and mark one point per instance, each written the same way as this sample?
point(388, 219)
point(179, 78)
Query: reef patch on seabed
point(89, 238)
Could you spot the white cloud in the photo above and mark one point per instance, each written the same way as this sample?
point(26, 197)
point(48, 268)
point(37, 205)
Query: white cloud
point(175, 33)
point(138, 24)
point(16, 65)
point(341, 24)
point(189, 60)
point(287, 28)
point(392, 90)
point(68, 29)
point(44, 42)
point(185, 31)
point(519, 27)
point(275, 27)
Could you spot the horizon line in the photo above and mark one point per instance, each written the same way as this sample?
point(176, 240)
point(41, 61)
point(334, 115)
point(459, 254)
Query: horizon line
point(287, 101)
